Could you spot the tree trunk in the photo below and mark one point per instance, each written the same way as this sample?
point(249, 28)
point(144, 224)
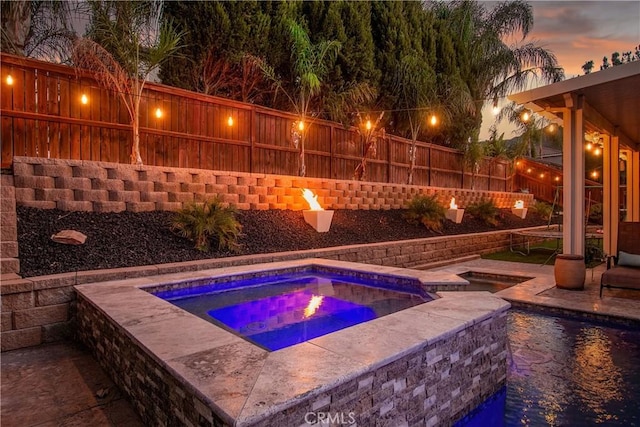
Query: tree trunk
point(16, 23)
point(136, 159)
point(413, 162)
point(302, 168)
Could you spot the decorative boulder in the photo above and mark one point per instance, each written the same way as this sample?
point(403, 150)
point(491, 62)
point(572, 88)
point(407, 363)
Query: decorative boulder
point(69, 237)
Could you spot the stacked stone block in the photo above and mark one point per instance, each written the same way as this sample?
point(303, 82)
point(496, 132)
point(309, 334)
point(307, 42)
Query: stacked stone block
point(9, 263)
point(435, 385)
point(112, 187)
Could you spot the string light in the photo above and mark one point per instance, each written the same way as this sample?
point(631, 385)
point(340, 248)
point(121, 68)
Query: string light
point(368, 125)
point(528, 170)
point(495, 110)
point(541, 175)
point(551, 128)
point(433, 120)
point(230, 121)
point(10, 80)
point(301, 125)
point(84, 99)
point(525, 116)
point(589, 146)
point(597, 151)
point(594, 174)
point(557, 178)
point(158, 113)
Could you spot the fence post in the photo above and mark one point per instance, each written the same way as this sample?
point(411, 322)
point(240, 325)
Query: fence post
point(331, 140)
point(388, 160)
point(252, 136)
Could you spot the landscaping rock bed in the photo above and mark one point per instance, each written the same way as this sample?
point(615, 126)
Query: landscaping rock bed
point(131, 239)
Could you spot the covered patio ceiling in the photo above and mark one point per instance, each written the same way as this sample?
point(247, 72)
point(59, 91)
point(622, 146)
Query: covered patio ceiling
point(608, 102)
point(611, 100)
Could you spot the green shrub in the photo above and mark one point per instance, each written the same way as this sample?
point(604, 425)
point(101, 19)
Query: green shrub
point(541, 208)
point(426, 210)
point(485, 210)
point(207, 221)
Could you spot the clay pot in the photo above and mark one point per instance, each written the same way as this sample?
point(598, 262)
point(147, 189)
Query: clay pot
point(570, 271)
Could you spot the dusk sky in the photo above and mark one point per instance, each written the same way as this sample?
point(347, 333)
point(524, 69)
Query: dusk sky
point(579, 31)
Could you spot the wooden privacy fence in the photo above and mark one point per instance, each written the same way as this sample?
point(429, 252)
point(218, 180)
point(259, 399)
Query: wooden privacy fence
point(42, 116)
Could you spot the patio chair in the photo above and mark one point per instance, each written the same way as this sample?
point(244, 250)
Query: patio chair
point(623, 269)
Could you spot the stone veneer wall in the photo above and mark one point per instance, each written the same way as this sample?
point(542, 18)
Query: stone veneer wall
point(77, 185)
point(435, 385)
point(40, 309)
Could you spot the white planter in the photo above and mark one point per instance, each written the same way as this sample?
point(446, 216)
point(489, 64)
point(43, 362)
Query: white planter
point(319, 220)
point(519, 212)
point(454, 215)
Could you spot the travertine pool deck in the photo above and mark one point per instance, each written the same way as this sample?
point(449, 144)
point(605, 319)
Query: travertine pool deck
point(541, 290)
point(32, 398)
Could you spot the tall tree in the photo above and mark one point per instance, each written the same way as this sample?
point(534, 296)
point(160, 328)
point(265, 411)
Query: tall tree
point(310, 65)
point(128, 42)
point(415, 87)
point(489, 67)
point(39, 29)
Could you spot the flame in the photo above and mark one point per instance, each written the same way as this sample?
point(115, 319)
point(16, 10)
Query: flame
point(519, 204)
point(453, 205)
point(312, 199)
point(314, 305)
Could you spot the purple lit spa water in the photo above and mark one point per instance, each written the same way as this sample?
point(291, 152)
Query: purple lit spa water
point(281, 311)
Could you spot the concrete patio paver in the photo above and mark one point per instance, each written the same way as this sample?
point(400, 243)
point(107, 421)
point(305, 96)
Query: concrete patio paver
point(58, 385)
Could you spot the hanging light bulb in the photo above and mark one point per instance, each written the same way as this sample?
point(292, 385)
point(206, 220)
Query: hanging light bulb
point(557, 178)
point(84, 99)
point(230, 121)
point(594, 174)
point(10, 80)
point(541, 175)
point(526, 116)
point(158, 113)
point(301, 125)
point(368, 125)
point(495, 110)
point(551, 128)
point(597, 151)
point(589, 146)
point(433, 120)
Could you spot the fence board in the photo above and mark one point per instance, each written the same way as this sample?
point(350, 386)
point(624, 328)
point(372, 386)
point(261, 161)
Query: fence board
point(194, 133)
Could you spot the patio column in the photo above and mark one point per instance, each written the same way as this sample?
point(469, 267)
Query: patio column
point(573, 177)
point(610, 193)
point(633, 185)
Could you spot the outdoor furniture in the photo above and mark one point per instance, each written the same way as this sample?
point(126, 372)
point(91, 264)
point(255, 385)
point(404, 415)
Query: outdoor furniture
point(623, 269)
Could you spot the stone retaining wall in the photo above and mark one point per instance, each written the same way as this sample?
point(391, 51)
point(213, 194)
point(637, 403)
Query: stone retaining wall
point(77, 185)
point(40, 309)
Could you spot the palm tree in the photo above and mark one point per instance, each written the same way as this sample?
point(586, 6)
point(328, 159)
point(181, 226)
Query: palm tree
point(127, 42)
point(484, 63)
point(529, 126)
point(39, 29)
point(310, 65)
point(414, 85)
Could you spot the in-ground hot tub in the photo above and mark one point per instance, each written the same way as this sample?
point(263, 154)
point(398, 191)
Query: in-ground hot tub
point(432, 362)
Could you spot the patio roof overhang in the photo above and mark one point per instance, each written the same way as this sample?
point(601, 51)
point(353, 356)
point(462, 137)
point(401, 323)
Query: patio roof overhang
point(611, 101)
point(607, 102)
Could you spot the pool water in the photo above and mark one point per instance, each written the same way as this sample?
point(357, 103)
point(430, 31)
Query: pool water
point(564, 371)
point(294, 308)
point(490, 282)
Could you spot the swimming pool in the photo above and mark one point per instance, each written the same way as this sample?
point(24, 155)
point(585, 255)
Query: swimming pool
point(281, 311)
point(566, 371)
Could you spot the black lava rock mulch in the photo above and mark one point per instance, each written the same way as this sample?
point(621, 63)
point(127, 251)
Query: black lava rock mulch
point(131, 239)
